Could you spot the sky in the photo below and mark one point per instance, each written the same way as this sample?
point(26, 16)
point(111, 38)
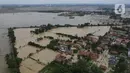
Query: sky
point(64, 1)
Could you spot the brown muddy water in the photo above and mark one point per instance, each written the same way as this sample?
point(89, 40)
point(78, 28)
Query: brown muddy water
point(34, 18)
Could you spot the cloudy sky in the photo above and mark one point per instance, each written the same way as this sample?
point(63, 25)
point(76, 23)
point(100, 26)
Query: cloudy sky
point(63, 1)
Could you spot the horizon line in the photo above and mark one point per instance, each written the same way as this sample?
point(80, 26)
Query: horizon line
point(66, 4)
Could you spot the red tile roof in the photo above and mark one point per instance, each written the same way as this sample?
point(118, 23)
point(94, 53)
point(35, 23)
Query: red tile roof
point(84, 52)
point(60, 58)
point(93, 56)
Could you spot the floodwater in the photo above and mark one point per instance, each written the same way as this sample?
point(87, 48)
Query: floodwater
point(4, 49)
point(34, 18)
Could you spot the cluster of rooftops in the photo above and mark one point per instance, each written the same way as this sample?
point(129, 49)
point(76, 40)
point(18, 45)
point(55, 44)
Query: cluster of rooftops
point(72, 49)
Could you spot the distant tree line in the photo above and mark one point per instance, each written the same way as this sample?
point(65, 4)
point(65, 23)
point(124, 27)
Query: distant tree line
point(67, 35)
point(83, 25)
point(52, 11)
point(115, 16)
point(116, 28)
point(72, 14)
point(45, 28)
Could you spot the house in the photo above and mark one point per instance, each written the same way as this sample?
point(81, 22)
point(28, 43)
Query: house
point(114, 52)
point(113, 43)
point(94, 39)
point(93, 56)
point(103, 67)
point(105, 47)
point(84, 53)
point(125, 41)
point(68, 43)
point(99, 49)
point(113, 33)
point(60, 57)
point(69, 52)
point(63, 48)
point(77, 46)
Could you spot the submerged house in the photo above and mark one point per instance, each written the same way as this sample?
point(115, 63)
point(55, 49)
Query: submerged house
point(103, 67)
point(92, 38)
point(99, 49)
point(65, 49)
point(114, 52)
point(93, 56)
point(60, 58)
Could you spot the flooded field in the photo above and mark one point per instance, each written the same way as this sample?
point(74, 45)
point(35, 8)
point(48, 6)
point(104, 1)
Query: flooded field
point(24, 36)
point(30, 66)
point(25, 51)
point(34, 18)
point(45, 56)
point(83, 31)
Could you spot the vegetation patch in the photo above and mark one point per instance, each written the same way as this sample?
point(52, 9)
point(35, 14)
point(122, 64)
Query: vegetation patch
point(49, 37)
point(52, 44)
point(67, 35)
point(36, 45)
point(82, 66)
point(11, 59)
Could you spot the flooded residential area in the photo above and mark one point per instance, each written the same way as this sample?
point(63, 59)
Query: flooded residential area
point(46, 56)
point(64, 39)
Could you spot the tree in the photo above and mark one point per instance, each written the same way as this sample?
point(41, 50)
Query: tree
point(121, 65)
point(128, 44)
point(11, 35)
